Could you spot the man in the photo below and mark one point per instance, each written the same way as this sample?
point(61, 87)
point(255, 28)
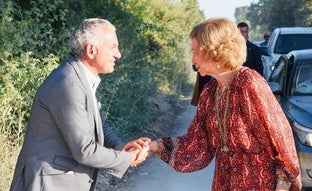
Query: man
point(67, 140)
point(253, 60)
point(266, 37)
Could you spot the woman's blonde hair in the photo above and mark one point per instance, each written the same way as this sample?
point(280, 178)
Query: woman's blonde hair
point(220, 41)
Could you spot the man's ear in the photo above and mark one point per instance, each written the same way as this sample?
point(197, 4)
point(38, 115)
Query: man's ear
point(91, 50)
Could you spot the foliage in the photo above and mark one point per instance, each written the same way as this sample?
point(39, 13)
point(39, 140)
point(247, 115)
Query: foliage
point(153, 55)
point(306, 14)
point(19, 78)
point(33, 26)
point(153, 41)
point(8, 157)
point(155, 50)
point(162, 36)
point(274, 15)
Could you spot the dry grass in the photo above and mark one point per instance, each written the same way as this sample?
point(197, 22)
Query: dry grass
point(8, 156)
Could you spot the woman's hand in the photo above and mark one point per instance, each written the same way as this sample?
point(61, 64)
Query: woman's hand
point(137, 144)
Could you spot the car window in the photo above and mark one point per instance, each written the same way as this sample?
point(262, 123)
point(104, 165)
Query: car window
point(288, 42)
point(303, 81)
point(279, 73)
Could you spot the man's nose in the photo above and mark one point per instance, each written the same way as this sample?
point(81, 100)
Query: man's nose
point(117, 54)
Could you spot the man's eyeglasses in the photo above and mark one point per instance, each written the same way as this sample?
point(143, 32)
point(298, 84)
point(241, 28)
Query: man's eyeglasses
point(266, 36)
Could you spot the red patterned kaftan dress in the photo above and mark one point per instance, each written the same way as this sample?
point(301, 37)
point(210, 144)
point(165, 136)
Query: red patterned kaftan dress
point(259, 137)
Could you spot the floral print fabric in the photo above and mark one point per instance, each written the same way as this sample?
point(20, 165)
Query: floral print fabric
point(259, 138)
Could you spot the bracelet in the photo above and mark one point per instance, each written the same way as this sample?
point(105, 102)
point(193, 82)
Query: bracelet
point(159, 145)
point(280, 179)
point(284, 183)
point(154, 150)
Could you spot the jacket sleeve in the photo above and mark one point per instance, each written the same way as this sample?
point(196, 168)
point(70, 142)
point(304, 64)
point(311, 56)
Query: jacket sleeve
point(254, 58)
point(72, 111)
point(111, 140)
point(258, 61)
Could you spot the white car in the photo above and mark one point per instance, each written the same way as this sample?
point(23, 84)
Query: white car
point(282, 41)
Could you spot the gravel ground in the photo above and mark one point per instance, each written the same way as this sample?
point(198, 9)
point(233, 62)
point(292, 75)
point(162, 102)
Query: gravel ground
point(162, 127)
point(153, 174)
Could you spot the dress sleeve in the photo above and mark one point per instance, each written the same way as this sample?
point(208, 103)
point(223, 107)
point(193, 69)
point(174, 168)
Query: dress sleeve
point(271, 126)
point(192, 151)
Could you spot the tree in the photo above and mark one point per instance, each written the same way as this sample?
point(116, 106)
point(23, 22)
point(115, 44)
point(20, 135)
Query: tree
point(270, 14)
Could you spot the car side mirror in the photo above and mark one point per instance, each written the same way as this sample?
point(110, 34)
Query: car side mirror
point(264, 50)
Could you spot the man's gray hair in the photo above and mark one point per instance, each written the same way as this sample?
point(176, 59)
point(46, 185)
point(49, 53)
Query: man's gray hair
point(84, 34)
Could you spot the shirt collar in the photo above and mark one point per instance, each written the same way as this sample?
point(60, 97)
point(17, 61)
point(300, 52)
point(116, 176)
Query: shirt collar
point(92, 79)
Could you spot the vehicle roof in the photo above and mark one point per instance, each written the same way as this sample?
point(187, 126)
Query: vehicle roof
point(295, 30)
point(306, 54)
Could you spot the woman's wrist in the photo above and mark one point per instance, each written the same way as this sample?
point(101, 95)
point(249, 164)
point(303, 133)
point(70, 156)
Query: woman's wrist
point(153, 147)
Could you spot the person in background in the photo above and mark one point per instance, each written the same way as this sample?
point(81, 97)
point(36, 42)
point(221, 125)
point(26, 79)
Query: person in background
point(253, 60)
point(238, 120)
point(67, 139)
point(266, 37)
point(198, 87)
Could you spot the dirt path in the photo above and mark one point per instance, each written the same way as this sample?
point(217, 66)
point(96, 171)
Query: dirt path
point(155, 175)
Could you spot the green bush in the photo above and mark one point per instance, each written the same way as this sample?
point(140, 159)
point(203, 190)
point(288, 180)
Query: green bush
point(33, 36)
point(19, 79)
point(8, 157)
point(153, 41)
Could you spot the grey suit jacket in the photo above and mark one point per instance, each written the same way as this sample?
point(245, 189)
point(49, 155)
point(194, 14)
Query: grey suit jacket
point(64, 144)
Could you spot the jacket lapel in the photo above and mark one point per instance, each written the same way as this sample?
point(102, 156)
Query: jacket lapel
point(96, 114)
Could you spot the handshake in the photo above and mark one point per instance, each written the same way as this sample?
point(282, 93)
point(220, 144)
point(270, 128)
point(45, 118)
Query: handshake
point(140, 149)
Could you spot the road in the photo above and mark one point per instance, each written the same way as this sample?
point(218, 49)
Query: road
point(155, 175)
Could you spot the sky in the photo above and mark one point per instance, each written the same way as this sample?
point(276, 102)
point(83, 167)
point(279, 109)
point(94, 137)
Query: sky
point(222, 8)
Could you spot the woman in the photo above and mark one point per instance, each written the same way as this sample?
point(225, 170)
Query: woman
point(238, 120)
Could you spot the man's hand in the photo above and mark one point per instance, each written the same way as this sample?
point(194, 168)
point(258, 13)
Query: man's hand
point(138, 156)
point(139, 150)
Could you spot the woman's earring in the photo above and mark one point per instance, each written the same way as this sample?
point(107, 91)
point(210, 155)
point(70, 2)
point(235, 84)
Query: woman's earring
point(218, 66)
